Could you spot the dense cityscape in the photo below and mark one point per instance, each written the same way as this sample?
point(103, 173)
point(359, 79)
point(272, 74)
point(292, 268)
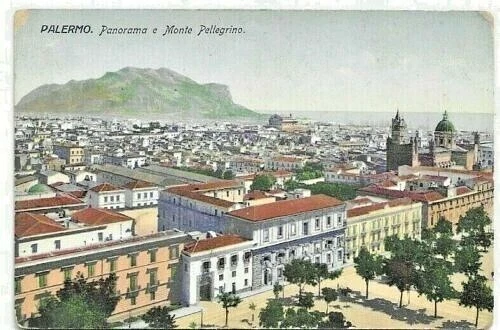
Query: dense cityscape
point(265, 224)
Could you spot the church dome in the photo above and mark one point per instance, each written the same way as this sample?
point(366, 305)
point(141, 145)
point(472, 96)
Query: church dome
point(445, 125)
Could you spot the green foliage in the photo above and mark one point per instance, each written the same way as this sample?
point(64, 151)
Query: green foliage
point(443, 227)
point(252, 307)
point(159, 318)
point(277, 288)
point(263, 182)
point(97, 297)
point(476, 293)
point(309, 171)
point(219, 173)
point(329, 295)
point(337, 190)
point(336, 320)
point(228, 175)
point(301, 318)
point(367, 266)
point(272, 314)
point(306, 300)
point(228, 300)
point(473, 227)
point(292, 185)
point(400, 274)
point(300, 272)
point(467, 260)
point(434, 282)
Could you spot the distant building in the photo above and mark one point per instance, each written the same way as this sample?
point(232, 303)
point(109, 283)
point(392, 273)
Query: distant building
point(286, 163)
point(106, 196)
point(283, 123)
point(140, 193)
point(73, 154)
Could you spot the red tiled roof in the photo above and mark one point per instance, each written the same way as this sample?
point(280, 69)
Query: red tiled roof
point(138, 184)
point(49, 202)
point(213, 243)
point(29, 224)
point(95, 217)
point(434, 177)
point(378, 206)
point(214, 185)
point(279, 173)
point(186, 192)
point(463, 190)
point(288, 159)
point(255, 194)
point(286, 207)
point(104, 187)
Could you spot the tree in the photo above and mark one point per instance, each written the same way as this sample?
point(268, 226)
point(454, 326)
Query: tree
point(476, 293)
point(329, 295)
point(301, 318)
point(472, 225)
point(321, 272)
point(159, 318)
point(434, 282)
point(272, 314)
point(443, 227)
point(292, 185)
point(367, 266)
point(228, 300)
point(228, 175)
point(300, 272)
point(263, 182)
point(79, 304)
point(400, 274)
point(277, 288)
point(252, 307)
point(337, 190)
point(467, 260)
point(306, 300)
point(219, 172)
point(336, 320)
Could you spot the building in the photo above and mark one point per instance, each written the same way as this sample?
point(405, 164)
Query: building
point(37, 233)
point(442, 151)
point(311, 228)
point(239, 165)
point(199, 206)
point(486, 155)
point(49, 177)
point(130, 161)
point(72, 154)
point(369, 224)
point(62, 204)
point(140, 194)
point(106, 196)
point(284, 123)
point(216, 265)
point(145, 266)
point(286, 163)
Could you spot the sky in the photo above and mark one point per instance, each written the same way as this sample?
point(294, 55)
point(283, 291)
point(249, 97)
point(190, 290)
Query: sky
point(284, 60)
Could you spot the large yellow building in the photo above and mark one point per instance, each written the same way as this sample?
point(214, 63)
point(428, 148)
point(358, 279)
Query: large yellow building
point(144, 265)
point(73, 154)
point(368, 225)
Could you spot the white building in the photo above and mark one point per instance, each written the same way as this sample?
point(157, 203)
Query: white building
point(287, 163)
point(50, 177)
point(38, 234)
point(486, 154)
point(140, 193)
point(216, 265)
point(106, 196)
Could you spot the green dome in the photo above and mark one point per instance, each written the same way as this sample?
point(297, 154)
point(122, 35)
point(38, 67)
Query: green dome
point(445, 125)
point(39, 188)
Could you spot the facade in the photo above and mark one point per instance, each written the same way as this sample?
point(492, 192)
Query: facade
point(216, 265)
point(246, 165)
point(442, 152)
point(130, 161)
point(486, 155)
point(140, 194)
point(73, 154)
point(311, 228)
point(50, 177)
point(145, 267)
point(199, 206)
point(369, 225)
point(106, 196)
point(286, 163)
point(283, 123)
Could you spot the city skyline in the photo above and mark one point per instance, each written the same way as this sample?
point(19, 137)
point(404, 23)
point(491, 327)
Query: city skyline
point(357, 61)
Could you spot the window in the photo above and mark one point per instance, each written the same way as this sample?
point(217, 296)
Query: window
point(280, 232)
point(152, 295)
point(173, 251)
point(246, 270)
point(57, 244)
point(339, 255)
point(305, 228)
point(133, 260)
point(221, 277)
point(117, 198)
point(246, 282)
point(112, 265)
point(152, 256)
point(234, 260)
point(139, 197)
point(132, 300)
point(68, 273)
point(266, 235)
point(18, 285)
point(145, 195)
point(91, 269)
point(42, 280)
point(206, 266)
point(233, 274)
point(227, 193)
point(105, 199)
point(153, 278)
point(328, 221)
point(221, 263)
point(151, 194)
point(99, 237)
point(293, 229)
point(133, 282)
point(34, 248)
point(316, 223)
point(112, 198)
point(328, 258)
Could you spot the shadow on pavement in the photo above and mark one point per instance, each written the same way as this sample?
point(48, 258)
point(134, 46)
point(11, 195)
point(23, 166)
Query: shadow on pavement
point(381, 305)
point(457, 325)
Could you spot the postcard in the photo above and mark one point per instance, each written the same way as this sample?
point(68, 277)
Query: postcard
point(253, 169)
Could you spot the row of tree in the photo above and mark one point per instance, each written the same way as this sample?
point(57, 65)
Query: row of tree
point(218, 173)
point(426, 265)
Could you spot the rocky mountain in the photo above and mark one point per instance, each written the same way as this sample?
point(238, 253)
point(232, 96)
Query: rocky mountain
point(135, 92)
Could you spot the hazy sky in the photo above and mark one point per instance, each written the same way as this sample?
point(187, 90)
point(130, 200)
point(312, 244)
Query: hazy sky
point(360, 61)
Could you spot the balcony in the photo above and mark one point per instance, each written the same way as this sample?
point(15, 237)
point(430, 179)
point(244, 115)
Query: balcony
point(234, 264)
point(152, 287)
point(133, 292)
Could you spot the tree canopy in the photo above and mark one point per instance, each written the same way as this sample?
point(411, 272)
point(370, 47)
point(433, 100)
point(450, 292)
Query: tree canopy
point(272, 314)
point(228, 300)
point(476, 293)
point(300, 272)
point(263, 182)
point(368, 266)
point(159, 318)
